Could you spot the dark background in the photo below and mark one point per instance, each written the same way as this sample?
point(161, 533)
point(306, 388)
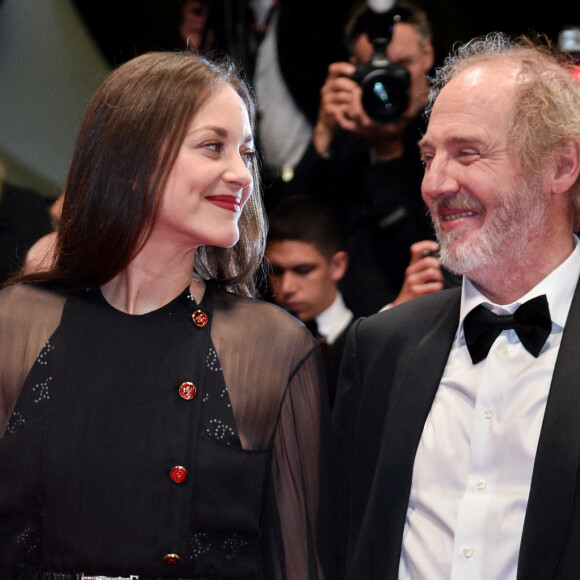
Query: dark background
point(125, 28)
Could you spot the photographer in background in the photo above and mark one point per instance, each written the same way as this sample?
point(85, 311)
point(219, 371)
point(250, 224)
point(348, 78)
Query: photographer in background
point(372, 170)
point(341, 107)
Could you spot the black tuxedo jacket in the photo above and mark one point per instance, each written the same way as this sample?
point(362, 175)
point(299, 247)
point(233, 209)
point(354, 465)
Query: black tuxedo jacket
point(391, 370)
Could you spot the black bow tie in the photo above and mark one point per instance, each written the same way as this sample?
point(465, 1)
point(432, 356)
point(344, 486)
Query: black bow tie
point(531, 321)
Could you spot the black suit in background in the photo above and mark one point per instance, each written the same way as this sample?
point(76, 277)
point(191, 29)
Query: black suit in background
point(332, 358)
point(392, 366)
point(331, 355)
point(310, 36)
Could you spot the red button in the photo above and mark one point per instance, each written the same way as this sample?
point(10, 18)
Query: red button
point(178, 474)
point(199, 318)
point(187, 391)
point(171, 559)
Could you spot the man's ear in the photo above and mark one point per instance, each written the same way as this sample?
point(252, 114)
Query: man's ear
point(338, 265)
point(566, 167)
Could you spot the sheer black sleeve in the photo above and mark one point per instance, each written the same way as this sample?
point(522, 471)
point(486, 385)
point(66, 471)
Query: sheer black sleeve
point(28, 317)
point(273, 370)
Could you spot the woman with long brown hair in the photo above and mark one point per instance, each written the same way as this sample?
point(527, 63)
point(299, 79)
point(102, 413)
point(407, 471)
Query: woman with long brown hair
point(157, 419)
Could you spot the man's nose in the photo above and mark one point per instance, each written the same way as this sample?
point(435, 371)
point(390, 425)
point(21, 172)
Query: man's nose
point(437, 181)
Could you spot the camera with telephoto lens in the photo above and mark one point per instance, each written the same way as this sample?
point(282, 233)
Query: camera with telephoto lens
point(385, 86)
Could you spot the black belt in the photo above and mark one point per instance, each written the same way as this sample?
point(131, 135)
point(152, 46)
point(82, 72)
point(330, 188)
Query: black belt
point(59, 576)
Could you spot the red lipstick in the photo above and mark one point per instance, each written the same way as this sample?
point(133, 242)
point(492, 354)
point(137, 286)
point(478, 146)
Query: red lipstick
point(228, 202)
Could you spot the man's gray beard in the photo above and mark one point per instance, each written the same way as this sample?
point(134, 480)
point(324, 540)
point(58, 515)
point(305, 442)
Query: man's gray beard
point(504, 236)
point(462, 258)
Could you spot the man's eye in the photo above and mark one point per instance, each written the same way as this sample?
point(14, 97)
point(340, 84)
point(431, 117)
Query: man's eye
point(468, 156)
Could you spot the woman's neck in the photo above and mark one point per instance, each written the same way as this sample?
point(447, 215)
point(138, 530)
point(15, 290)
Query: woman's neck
point(152, 280)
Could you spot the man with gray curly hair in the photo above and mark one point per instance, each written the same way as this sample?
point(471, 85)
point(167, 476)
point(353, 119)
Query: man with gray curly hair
point(457, 414)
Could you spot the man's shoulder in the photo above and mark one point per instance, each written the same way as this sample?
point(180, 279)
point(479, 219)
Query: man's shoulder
point(413, 316)
point(388, 342)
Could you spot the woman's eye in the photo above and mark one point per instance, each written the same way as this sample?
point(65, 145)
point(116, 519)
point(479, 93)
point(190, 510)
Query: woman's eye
point(216, 147)
point(248, 155)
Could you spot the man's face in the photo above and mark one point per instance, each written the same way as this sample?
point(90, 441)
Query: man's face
point(302, 280)
point(406, 50)
point(484, 210)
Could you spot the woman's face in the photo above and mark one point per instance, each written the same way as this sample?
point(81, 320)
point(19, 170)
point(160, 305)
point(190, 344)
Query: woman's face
point(211, 179)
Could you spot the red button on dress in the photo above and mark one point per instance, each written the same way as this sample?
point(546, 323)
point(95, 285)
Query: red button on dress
point(199, 318)
point(171, 559)
point(178, 474)
point(187, 391)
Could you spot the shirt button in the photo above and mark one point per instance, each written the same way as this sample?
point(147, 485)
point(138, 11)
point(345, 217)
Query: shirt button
point(178, 474)
point(480, 485)
point(504, 351)
point(467, 551)
point(171, 559)
point(489, 413)
point(187, 391)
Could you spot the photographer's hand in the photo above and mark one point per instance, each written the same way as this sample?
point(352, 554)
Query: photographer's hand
point(341, 108)
point(336, 98)
point(423, 275)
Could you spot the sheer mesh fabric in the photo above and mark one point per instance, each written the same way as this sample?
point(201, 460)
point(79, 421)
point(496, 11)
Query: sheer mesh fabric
point(284, 413)
point(272, 370)
point(28, 317)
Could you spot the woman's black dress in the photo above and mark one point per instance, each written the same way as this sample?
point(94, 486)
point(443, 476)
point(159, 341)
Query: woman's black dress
point(185, 442)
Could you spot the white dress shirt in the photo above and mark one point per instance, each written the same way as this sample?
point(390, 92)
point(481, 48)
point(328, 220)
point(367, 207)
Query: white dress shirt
point(334, 319)
point(474, 463)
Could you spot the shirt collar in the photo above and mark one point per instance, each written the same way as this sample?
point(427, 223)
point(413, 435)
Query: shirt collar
point(558, 286)
point(334, 319)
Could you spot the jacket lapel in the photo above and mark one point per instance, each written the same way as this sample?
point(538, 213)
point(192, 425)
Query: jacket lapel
point(553, 487)
point(404, 425)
